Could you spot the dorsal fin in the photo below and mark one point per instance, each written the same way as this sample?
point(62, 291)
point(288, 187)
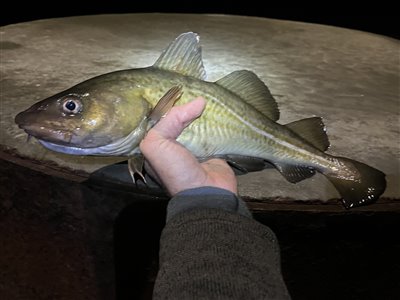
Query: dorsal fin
point(251, 89)
point(312, 130)
point(183, 56)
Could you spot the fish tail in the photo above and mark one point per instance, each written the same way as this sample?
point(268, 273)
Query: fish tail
point(357, 183)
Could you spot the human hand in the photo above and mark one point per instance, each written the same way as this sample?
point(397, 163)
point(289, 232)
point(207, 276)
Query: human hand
point(174, 165)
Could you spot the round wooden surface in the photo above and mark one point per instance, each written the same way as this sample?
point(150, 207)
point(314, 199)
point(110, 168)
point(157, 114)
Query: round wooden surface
point(350, 78)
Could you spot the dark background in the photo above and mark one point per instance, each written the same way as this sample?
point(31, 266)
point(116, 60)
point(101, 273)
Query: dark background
point(380, 18)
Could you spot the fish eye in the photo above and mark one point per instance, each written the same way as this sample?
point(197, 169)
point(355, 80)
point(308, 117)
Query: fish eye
point(72, 106)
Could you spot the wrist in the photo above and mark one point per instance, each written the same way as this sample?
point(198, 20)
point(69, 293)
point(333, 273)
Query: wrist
point(206, 197)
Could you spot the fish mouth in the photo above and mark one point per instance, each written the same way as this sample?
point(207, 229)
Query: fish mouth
point(56, 140)
point(51, 131)
point(42, 133)
point(68, 142)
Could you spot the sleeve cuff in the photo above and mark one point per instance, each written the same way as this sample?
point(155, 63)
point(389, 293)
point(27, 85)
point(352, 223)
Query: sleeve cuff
point(206, 197)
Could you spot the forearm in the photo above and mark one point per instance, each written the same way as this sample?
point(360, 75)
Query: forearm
point(208, 252)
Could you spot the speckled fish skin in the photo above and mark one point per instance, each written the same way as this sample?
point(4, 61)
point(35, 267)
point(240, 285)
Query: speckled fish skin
point(110, 117)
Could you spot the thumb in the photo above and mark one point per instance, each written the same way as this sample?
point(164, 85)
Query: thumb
point(178, 118)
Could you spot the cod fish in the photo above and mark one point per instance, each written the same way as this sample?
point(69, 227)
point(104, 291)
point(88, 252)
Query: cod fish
point(109, 115)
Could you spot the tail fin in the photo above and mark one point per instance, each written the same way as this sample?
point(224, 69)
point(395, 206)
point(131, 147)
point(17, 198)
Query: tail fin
point(364, 187)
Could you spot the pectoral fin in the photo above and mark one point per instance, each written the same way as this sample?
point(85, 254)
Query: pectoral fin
point(136, 163)
point(165, 104)
point(136, 170)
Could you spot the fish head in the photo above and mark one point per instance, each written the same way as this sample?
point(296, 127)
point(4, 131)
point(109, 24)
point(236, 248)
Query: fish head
point(83, 119)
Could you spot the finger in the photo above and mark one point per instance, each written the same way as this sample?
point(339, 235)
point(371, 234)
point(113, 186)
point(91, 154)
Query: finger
point(169, 128)
point(167, 157)
point(179, 117)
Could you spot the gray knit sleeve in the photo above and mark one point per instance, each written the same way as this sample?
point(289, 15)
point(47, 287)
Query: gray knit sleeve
point(209, 253)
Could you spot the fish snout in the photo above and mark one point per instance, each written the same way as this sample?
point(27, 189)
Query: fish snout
point(33, 114)
point(20, 119)
point(41, 128)
point(26, 119)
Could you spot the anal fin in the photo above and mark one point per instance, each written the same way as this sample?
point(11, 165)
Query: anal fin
point(245, 164)
point(294, 173)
